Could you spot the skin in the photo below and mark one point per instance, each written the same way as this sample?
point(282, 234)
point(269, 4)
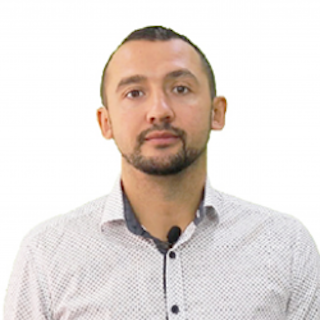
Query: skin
point(161, 199)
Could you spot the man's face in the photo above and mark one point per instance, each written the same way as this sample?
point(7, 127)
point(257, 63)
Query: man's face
point(179, 105)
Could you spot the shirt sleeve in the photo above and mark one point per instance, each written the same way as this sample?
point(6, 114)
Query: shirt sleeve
point(25, 298)
point(304, 302)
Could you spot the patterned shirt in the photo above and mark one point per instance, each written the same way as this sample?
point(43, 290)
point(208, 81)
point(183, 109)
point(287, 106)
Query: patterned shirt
point(236, 260)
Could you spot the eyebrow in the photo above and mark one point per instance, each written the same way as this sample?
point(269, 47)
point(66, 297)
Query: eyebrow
point(138, 78)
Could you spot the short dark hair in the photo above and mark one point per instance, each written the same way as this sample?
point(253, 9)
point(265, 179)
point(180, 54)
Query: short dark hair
point(154, 33)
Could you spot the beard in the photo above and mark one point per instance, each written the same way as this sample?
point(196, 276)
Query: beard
point(166, 165)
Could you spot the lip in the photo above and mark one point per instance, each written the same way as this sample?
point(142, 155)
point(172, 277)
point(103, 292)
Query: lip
point(161, 136)
point(163, 141)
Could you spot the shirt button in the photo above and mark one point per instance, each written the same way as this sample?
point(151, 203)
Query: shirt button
point(172, 255)
point(175, 309)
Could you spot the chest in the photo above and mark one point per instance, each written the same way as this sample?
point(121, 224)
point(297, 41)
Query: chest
point(209, 282)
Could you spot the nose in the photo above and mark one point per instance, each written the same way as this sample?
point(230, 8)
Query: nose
point(160, 110)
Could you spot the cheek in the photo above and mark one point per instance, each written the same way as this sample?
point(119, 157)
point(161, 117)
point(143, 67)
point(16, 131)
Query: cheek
point(197, 123)
point(195, 118)
point(127, 130)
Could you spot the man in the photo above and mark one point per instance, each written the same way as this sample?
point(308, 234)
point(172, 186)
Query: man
point(164, 244)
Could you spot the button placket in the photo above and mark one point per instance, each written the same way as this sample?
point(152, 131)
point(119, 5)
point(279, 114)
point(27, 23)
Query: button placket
point(175, 298)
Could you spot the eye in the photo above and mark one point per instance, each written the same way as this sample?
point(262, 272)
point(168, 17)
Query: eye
point(133, 91)
point(182, 87)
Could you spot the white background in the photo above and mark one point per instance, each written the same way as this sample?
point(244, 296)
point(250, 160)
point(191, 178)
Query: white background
point(265, 55)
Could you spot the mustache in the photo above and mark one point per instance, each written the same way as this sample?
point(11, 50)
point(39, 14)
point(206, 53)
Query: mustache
point(167, 127)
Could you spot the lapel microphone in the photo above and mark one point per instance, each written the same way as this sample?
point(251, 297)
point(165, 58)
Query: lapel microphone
point(173, 235)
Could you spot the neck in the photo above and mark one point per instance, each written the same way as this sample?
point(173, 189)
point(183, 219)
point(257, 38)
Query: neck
point(159, 202)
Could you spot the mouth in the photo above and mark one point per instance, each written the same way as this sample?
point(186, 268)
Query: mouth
point(161, 135)
point(163, 140)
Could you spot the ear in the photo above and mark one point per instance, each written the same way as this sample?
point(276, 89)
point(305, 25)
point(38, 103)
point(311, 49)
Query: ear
point(218, 114)
point(103, 118)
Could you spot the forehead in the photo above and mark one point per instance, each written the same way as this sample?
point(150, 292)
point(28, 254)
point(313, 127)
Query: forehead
point(153, 59)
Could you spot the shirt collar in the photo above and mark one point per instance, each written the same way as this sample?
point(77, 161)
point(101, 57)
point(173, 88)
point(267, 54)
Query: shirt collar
point(114, 206)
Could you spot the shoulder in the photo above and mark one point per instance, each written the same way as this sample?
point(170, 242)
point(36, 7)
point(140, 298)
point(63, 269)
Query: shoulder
point(79, 220)
point(251, 216)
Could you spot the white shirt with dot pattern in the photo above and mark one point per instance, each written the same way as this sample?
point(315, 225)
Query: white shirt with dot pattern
point(236, 260)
